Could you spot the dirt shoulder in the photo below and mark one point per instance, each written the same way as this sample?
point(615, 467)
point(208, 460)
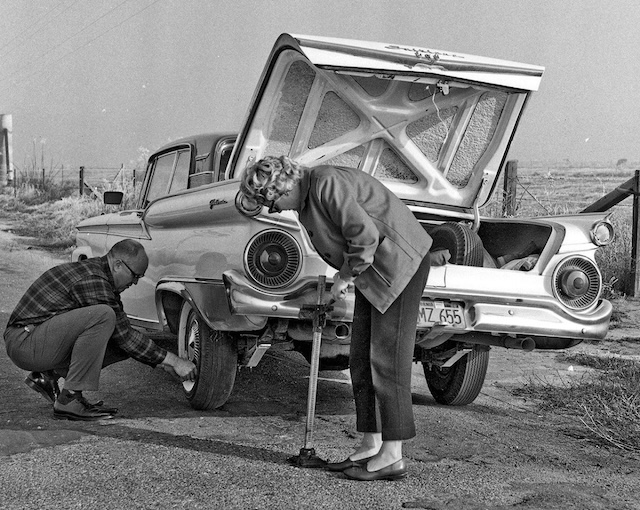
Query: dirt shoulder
point(498, 453)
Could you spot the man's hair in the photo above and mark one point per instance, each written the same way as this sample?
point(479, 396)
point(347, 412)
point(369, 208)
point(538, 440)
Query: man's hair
point(127, 249)
point(271, 177)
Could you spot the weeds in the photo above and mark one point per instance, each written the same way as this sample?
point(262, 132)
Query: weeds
point(49, 213)
point(52, 224)
point(606, 401)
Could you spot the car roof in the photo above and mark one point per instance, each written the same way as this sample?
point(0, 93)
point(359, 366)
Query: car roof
point(202, 143)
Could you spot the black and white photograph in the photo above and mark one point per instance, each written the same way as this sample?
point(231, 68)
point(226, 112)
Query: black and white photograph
point(316, 255)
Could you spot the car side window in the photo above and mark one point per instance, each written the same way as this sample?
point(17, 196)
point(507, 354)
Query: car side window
point(160, 176)
point(181, 173)
point(224, 161)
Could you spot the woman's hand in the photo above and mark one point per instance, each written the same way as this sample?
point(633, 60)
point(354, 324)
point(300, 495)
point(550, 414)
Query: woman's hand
point(340, 287)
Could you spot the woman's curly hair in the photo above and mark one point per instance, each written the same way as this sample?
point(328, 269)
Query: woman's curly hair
point(271, 177)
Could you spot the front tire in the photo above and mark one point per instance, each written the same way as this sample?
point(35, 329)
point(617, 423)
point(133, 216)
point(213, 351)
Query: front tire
point(460, 384)
point(215, 354)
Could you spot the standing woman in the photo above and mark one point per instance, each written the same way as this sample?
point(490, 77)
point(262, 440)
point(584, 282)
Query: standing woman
point(362, 229)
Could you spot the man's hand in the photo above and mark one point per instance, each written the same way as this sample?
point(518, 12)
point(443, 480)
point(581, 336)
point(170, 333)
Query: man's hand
point(340, 287)
point(184, 369)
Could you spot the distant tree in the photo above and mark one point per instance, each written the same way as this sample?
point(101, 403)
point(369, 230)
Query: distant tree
point(621, 162)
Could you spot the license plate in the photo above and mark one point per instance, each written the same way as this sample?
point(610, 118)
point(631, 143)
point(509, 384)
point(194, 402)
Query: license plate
point(441, 313)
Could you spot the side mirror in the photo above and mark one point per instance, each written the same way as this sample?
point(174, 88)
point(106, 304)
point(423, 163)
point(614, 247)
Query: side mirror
point(112, 197)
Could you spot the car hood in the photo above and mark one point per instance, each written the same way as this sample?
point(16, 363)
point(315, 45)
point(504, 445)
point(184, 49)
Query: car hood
point(434, 126)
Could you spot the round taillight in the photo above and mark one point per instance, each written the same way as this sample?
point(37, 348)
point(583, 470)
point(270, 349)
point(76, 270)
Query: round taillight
point(574, 283)
point(577, 282)
point(602, 233)
point(273, 258)
point(247, 206)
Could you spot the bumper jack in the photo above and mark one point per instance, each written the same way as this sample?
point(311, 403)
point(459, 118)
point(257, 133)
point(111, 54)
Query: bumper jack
point(307, 457)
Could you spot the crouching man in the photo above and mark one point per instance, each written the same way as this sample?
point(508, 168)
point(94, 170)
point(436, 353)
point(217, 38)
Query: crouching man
point(70, 323)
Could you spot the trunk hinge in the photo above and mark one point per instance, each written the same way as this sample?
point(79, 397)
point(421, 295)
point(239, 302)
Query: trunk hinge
point(476, 204)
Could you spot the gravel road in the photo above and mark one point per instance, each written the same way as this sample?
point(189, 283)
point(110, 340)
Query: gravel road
point(498, 453)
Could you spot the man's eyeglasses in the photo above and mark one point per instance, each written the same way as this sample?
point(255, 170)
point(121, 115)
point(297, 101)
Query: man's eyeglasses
point(135, 275)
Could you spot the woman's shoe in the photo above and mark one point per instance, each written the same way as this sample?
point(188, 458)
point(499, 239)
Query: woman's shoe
point(395, 471)
point(346, 464)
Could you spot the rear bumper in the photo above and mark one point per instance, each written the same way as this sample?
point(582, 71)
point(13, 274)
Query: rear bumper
point(540, 321)
point(485, 314)
point(247, 299)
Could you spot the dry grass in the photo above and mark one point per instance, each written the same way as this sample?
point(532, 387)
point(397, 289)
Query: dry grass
point(50, 218)
point(51, 224)
point(605, 400)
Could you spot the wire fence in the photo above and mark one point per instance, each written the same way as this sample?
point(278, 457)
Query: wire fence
point(92, 179)
point(551, 191)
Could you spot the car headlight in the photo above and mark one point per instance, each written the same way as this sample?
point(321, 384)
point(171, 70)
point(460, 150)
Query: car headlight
point(602, 232)
point(577, 282)
point(273, 258)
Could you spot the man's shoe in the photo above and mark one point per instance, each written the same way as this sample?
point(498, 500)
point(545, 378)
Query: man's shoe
point(99, 406)
point(45, 383)
point(76, 408)
point(395, 471)
point(346, 464)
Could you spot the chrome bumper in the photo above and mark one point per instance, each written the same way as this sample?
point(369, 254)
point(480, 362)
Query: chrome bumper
point(542, 318)
point(247, 299)
point(524, 320)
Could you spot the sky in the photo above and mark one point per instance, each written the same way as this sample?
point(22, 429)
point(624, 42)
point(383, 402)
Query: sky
point(100, 83)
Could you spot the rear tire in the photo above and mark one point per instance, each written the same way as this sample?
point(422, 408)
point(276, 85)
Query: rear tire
point(460, 384)
point(215, 353)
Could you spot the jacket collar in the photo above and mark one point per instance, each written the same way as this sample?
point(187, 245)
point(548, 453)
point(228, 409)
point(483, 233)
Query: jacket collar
point(104, 262)
point(305, 186)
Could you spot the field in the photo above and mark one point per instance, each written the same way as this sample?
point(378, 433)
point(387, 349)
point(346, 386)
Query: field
point(553, 189)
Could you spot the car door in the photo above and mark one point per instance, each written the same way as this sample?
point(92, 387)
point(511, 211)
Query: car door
point(167, 173)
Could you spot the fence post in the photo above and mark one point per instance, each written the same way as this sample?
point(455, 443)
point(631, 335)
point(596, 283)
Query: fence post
point(81, 187)
point(510, 181)
point(635, 236)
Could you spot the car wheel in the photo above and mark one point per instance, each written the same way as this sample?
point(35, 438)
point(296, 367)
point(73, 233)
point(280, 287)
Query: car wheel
point(463, 244)
point(215, 353)
point(461, 383)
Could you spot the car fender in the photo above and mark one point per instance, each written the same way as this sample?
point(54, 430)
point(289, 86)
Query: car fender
point(81, 253)
point(209, 299)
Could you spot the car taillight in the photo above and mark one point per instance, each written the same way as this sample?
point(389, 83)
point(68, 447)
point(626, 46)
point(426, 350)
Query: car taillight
point(273, 258)
point(602, 232)
point(577, 282)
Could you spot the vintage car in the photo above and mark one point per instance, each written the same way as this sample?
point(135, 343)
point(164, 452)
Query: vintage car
point(230, 281)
